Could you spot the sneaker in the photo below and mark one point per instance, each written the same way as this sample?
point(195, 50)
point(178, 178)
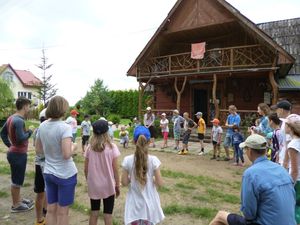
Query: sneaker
point(43, 222)
point(201, 153)
point(181, 152)
point(185, 151)
point(28, 202)
point(22, 207)
point(176, 148)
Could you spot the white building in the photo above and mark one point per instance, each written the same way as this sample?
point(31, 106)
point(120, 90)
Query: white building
point(22, 83)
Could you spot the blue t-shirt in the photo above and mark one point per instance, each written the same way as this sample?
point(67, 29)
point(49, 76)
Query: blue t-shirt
point(237, 138)
point(177, 120)
point(263, 126)
point(233, 120)
point(268, 195)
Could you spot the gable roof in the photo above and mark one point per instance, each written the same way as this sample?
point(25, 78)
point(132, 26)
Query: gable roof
point(26, 77)
point(284, 57)
point(289, 83)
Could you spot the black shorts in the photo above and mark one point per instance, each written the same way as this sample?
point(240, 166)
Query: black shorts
point(85, 139)
point(17, 162)
point(152, 131)
point(215, 143)
point(39, 183)
point(235, 219)
point(200, 136)
point(108, 204)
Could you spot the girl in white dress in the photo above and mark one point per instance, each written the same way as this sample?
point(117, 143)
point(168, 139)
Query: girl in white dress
point(142, 205)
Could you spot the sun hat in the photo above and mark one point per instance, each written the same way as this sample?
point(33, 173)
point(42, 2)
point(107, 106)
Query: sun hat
point(254, 141)
point(102, 118)
point(141, 130)
point(215, 120)
point(148, 108)
point(163, 114)
point(110, 123)
point(74, 112)
point(100, 127)
point(284, 104)
point(199, 114)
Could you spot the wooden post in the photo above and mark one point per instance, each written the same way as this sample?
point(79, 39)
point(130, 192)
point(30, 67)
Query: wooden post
point(179, 92)
point(214, 95)
point(141, 94)
point(274, 87)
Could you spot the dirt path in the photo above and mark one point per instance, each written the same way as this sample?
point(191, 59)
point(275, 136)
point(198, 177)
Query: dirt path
point(185, 190)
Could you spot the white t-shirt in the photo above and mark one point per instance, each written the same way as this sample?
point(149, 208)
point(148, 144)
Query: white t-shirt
point(73, 123)
point(215, 132)
point(51, 134)
point(286, 139)
point(164, 125)
point(142, 203)
point(295, 144)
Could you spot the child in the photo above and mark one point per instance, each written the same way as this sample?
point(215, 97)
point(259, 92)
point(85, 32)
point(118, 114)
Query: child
point(110, 130)
point(124, 138)
point(85, 131)
point(216, 137)
point(201, 131)
point(142, 173)
point(277, 136)
point(71, 120)
point(292, 127)
point(237, 138)
point(188, 126)
point(164, 124)
point(101, 172)
point(177, 120)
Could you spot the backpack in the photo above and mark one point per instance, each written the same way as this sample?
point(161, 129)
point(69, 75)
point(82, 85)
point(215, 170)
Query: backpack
point(275, 144)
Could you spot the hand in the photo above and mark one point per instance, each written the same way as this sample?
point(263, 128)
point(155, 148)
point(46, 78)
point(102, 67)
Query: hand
point(117, 188)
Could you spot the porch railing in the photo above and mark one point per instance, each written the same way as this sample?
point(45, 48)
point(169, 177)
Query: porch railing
point(231, 58)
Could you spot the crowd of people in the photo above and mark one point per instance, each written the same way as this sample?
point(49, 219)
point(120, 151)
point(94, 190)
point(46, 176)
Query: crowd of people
point(270, 192)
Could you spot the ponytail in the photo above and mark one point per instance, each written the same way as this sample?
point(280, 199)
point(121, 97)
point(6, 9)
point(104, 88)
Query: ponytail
point(141, 160)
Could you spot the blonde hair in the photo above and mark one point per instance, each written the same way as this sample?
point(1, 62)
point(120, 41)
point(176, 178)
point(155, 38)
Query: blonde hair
point(99, 141)
point(57, 107)
point(141, 160)
point(264, 108)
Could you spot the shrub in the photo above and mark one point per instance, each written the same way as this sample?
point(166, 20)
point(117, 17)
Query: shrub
point(114, 118)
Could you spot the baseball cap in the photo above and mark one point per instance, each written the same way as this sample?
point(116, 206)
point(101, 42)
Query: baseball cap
point(215, 120)
point(141, 130)
point(100, 127)
point(198, 114)
point(102, 118)
point(284, 104)
point(74, 112)
point(163, 114)
point(254, 141)
point(148, 108)
point(176, 111)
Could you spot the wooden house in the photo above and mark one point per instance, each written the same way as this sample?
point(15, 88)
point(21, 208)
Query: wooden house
point(241, 63)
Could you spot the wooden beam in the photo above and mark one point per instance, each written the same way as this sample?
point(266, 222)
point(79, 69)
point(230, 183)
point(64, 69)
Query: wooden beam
point(274, 87)
point(179, 92)
point(141, 94)
point(214, 95)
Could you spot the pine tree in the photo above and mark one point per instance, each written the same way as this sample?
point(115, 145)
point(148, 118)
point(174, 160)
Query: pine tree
point(47, 89)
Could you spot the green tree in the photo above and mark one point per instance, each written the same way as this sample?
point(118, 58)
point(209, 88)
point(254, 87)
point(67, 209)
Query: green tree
point(6, 97)
point(47, 89)
point(97, 100)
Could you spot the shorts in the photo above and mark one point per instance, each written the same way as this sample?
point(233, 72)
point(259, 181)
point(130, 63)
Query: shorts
point(235, 219)
point(215, 143)
point(227, 141)
point(200, 136)
point(152, 131)
point(141, 222)
point(186, 137)
point(108, 204)
point(39, 183)
point(297, 207)
point(60, 190)
point(176, 135)
point(85, 139)
point(17, 162)
point(165, 135)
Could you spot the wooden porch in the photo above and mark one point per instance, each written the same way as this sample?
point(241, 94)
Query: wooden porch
point(230, 59)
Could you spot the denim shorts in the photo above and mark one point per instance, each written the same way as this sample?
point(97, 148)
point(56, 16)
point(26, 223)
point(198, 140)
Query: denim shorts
point(176, 135)
point(186, 137)
point(61, 191)
point(227, 141)
point(235, 219)
point(17, 162)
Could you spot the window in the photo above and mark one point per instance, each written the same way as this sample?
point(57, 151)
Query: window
point(29, 94)
point(8, 77)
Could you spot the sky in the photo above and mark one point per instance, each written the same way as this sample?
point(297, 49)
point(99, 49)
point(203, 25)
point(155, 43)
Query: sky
point(90, 39)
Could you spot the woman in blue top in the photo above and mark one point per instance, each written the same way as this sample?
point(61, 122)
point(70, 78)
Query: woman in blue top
point(263, 127)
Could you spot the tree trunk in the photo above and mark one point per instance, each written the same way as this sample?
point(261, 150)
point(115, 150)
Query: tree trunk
point(179, 92)
point(141, 94)
point(214, 95)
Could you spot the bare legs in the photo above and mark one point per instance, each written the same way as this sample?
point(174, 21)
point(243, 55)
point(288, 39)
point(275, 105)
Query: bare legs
point(57, 215)
point(220, 218)
point(94, 217)
point(15, 194)
point(39, 205)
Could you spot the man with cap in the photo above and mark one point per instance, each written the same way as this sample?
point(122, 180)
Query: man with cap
point(201, 131)
point(283, 109)
point(71, 120)
point(267, 195)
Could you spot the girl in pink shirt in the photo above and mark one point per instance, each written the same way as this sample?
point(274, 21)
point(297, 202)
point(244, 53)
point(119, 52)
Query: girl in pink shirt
point(101, 172)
